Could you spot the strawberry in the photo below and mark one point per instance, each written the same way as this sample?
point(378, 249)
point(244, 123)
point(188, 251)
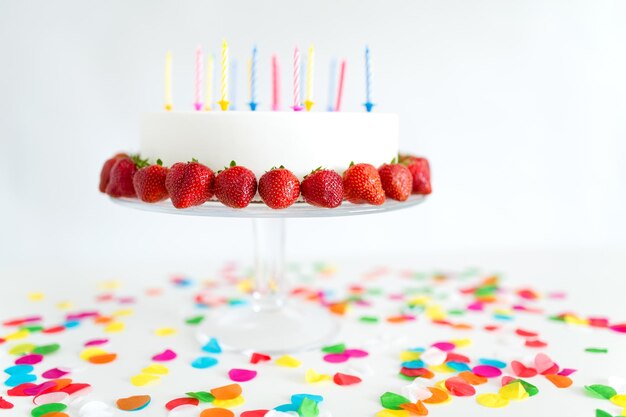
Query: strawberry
point(322, 188)
point(235, 186)
point(149, 183)
point(189, 184)
point(279, 188)
point(397, 180)
point(121, 176)
point(361, 184)
point(420, 169)
point(106, 171)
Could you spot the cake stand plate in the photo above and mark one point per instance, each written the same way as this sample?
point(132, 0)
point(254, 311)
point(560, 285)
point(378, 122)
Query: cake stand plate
point(271, 323)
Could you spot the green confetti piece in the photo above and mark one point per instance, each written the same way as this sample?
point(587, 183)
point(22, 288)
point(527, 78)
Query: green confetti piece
point(308, 408)
point(406, 377)
point(47, 349)
point(195, 320)
point(338, 348)
point(600, 391)
point(456, 312)
point(202, 396)
point(368, 319)
point(602, 413)
point(393, 401)
point(596, 350)
point(32, 329)
point(528, 387)
point(374, 291)
point(47, 408)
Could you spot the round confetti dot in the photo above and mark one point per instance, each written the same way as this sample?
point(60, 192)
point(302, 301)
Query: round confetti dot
point(166, 355)
point(204, 362)
point(487, 371)
point(241, 375)
point(178, 402)
point(234, 402)
point(141, 380)
point(492, 400)
point(31, 359)
point(21, 349)
point(134, 403)
point(227, 392)
point(51, 397)
point(459, 388)
point(288, 361)
point(165, 331)
point(54, 373)
point(47, 408)
point(102, 359)
point(344, 379)
point(439, 396)
point(19, 369)
point(336, 357)
point(155, 369)
point(217, 412)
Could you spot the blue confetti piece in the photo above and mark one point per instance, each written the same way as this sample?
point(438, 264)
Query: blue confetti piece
point(284, 408)
point(15, 380)
point(417, 349)
point(459, 366)
point(212, 346)
point(204, 362)
point(416, 364)
point(296, 399)
point(502, 317)
point(492, 362)
point(19, 369)
point(70, 324)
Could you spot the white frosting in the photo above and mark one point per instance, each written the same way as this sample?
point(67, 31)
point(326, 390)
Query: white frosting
point(301, 141)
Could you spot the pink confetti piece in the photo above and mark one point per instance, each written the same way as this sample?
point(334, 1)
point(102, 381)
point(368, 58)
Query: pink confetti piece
point(543, 362)
point(96, 342)
point(241, 375)
point(50, 397)
point(166, 355)
point(31, 359)
point(487, 371)
point(620, 328)
point(535, 343)
point(566, 371)
point(38, 389)
point(355, 353)
point(506, 380)
point(459, 388)
point(54, 373)
point(445, 346)
point(336, 357)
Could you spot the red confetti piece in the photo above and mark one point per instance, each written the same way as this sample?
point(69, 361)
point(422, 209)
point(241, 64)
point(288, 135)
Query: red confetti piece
point(254, 413)
point(543, 362)
point(506, 380)
point(526, 333)
point(177, 402)
point(457, 357)
point(55, 329)
point(74, 388)
point(598, 322)
point(25, 320)
point(522, 371)
point(535, 343)
point(459, 388)
point(5, 405)
point(18, 391)
point(259, 357)
point(492, 327)
point(620, 328)
point(417, 372)
point(344, 379)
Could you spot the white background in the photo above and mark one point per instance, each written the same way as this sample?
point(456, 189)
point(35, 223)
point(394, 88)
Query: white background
point(518, 104)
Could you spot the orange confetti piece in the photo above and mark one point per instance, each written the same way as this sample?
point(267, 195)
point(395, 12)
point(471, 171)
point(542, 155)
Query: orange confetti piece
point(101, 359)
point(227, 392)
point(61, 383)
point(560, 381)
point(338, 308)
point(438, 396)
point(133, 403)
point(418, 408)
point(217, 412)
point(472, 378)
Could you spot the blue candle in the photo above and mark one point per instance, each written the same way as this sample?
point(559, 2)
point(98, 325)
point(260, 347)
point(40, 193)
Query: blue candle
point(368, 81)
point(253, 76)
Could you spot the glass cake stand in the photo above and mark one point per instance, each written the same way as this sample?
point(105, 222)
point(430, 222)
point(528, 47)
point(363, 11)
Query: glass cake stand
point(271, 323)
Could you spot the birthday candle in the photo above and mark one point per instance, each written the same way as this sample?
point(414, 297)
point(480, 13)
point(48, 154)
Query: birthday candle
point(310, 66)
point(332, 78)
point(342, 76)
point(168, 81)
point(253, 70)
point(198, 80)
point(296, 80)
point(368, 81)
point(275, 84)
point(224, 78)
point(208, 98)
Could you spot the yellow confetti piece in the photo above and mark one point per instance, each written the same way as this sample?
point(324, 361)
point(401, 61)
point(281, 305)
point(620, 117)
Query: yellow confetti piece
point(312, 376)
point(619, 399)
point(35, 296)
point(245, 285)
point(156, 369)
point(513, 391)
point(165, 331)
point(442, 368)
point(114, 327)
point(92, 351)
point(492, 400)
point(572, 319)
point(124, 312)
point(234, 402)
point(419, 301)
point(442, 386)
point(65, 305)
point(22, 349)
point(143, 379)
point(111, 284)
point(461, 342)
point(624, 412)
point(20, 334)
point(393, 413)
point(435, 312)
point(287, 361)
point(409, 355)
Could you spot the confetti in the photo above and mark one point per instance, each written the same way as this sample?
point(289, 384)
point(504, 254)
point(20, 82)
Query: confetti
point(165, 331)
point(177, 402)
point(308, 408)
point(287, 361)
point(418, 408)
point(619, 399)
point(5, 405)
point(114, 327)
point(259, 357)
point(19, 369)
point(596, 350)
point(392, 401)
point(522, 371)
point(344, 379)
point(338, 348)
point(487, 371)
point(166, 355)
point(600, 391)
point(47, 408)
point(102, 358)
point(393, 413)
point(513, 391)
point(202, 396)
point(312, 376)
point(50, 397)
point(212, 346)
point(227, 392)
point(492, 400)
point(204, 362)
point(22, 349)
point(195, 320)
point(241, 375)
point(559, 381)
point(155, 369)
point(134, 403)
point(30, 359)
point(458, 387)
point(141, 380)
point(217, 412)
point(233, 402)
point(54, 373)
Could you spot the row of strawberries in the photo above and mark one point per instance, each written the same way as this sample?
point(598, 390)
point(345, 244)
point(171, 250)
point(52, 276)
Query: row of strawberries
point(190, 184)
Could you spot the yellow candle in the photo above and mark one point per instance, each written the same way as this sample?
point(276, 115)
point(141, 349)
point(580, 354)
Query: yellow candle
point(310, 66)
point(208, 97)
point(168, 81)
point(224, 78)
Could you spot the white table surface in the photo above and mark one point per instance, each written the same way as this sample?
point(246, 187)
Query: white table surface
point(595, 283)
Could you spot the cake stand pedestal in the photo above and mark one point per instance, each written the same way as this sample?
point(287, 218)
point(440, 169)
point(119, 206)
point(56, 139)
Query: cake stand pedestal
point(272, 323)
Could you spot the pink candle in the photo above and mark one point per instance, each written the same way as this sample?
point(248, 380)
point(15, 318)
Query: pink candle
point(296, 80)
point(275, 84)
point(342, 76)
point(198, 80)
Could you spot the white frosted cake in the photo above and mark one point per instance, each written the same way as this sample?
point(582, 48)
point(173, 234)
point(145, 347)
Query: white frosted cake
point(301, 141)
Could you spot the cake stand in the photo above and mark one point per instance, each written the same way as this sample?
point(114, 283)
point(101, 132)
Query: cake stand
point(271, 323)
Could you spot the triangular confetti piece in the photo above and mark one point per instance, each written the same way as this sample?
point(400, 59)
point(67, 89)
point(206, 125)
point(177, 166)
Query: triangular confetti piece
point(259, 357)
point(312, 376)
point(344, 379)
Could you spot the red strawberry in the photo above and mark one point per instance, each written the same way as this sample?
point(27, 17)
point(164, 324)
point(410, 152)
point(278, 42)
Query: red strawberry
point(121, 177)
point(149, 183)
point(106, 171)
point(361, 184)
point(397, 181)
point(279, 188)
point(420, 169)
point(189, 184)
point(235, 186)
point(323, 188)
